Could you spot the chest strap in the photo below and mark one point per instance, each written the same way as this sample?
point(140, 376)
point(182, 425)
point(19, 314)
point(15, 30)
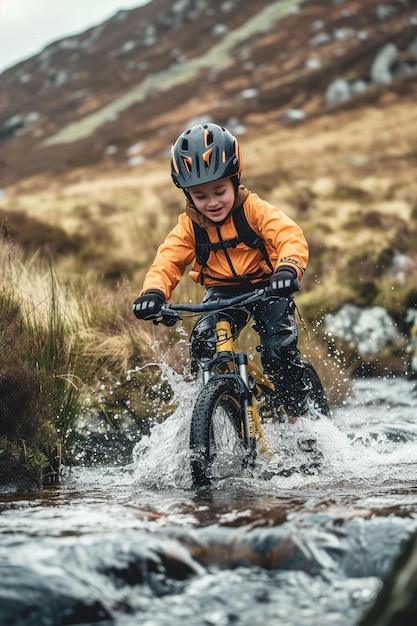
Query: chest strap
point(245, 234)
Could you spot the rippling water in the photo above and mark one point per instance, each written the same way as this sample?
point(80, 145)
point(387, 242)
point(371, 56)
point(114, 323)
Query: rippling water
point(133, 545)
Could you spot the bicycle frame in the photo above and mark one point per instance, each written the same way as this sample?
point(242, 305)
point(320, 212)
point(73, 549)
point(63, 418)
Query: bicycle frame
point(249, 374)
point(236, 397)
point(249, 378)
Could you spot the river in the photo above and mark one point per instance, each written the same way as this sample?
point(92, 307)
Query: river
point(134, 545)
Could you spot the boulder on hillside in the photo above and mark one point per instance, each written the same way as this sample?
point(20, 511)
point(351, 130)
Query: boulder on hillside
point(369, 329)
point(381, 69)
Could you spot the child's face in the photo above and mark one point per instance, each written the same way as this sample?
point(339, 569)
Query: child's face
point(214, 200)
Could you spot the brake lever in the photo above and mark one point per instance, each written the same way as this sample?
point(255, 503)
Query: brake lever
point(167, 317)
point(166, 320)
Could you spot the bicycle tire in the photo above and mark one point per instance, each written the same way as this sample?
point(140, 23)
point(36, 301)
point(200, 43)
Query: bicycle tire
point(217, 443)
point(316, 390)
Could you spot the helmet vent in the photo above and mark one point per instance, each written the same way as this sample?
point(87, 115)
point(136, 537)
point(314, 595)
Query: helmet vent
point(207, 156)
point(188, 164)
point(204, 153)
point(209, 138)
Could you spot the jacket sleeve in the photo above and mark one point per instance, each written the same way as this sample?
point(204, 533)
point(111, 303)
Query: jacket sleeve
point(284, 239)
point(172, 257)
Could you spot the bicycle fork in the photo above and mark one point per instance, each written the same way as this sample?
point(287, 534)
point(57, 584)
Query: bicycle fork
point(252, 428)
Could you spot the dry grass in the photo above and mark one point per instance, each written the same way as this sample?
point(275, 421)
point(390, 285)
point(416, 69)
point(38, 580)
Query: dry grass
point(59, 339)
point(355, 212)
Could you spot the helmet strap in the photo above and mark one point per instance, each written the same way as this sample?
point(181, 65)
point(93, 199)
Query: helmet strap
point(188, 196)
point(236, 182)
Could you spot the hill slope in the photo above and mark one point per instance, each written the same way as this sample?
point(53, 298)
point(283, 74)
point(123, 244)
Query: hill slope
point(321, 94)
point(146, 73)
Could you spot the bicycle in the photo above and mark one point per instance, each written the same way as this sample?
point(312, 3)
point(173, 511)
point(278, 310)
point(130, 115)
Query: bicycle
point(236, 399)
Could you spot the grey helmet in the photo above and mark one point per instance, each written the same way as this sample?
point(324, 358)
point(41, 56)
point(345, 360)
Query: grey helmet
point(204, 153)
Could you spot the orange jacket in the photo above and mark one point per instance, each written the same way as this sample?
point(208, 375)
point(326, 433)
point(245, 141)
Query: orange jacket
point(283, 238)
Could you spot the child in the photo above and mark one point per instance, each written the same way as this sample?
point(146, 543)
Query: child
point(236, 243)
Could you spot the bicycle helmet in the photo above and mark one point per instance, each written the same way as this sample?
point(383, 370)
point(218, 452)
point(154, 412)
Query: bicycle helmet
point(205, 153)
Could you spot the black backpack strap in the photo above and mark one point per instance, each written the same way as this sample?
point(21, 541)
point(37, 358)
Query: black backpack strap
point(245, 234)
point(202, 245)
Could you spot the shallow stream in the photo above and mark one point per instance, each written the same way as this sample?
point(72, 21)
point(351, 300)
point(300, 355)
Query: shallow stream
point(134, 545)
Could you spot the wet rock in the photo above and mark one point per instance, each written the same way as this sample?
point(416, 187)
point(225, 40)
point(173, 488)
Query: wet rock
point(62, 582)
point(396, 602)
point(29, 597)
point(356, 547)
point(411, 321)
point(275, 548)
point(373, 544)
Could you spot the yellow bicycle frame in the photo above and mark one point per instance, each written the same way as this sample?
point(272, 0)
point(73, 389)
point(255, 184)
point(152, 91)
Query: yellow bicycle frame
point(225, 343)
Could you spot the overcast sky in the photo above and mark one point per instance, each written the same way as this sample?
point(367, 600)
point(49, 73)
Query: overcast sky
point(27, 26)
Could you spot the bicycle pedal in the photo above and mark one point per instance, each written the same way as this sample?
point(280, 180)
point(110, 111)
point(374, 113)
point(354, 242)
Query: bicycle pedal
point(308, 445)
point(268, 475)
point(316, 455)
point(287, 472)
point(310, 469)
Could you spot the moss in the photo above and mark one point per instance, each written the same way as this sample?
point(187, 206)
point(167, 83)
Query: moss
point(410, 300)
point(24, 391)
point(39, 404)
point(22, 467)
point(366, 291)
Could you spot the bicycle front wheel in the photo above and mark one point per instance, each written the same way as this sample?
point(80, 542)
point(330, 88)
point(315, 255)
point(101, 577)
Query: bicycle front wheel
point(316, 390)
point(218, 448)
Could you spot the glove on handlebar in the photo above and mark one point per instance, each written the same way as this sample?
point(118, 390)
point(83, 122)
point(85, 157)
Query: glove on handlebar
point(284, 282)
point(149, 304)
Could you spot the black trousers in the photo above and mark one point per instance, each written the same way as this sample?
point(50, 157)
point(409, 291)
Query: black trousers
point(278, 332)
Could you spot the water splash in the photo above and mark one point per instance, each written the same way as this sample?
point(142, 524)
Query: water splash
point(161, 459)
point(356, 449)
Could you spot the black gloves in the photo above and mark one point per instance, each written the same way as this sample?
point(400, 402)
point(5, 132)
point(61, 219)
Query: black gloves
point(149, 304)
point(284, 282)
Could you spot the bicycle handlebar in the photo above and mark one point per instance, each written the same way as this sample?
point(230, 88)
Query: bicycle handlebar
point(171, 313)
